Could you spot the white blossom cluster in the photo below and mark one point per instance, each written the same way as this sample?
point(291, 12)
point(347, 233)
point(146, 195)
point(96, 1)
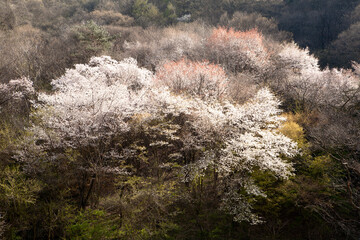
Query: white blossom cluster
point(96, 101)
point(15, 94)
point(308, 83)
point(16, 89)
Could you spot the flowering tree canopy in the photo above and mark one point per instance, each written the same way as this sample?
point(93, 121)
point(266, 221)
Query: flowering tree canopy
point(16, 95)
point(94, 103)
point(239, 51)
point(306, 82)
point(200, 79)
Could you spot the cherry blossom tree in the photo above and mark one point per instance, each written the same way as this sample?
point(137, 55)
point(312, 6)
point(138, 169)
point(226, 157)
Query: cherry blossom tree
point(15, 97)
point(238, 51)
point(307, 83)
point(107, 115)
point(200, 79)
point(250, 142)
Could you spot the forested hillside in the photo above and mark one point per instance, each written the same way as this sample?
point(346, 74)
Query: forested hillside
point(169, 119)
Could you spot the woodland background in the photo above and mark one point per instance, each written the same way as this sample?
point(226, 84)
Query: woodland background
point(179, 119)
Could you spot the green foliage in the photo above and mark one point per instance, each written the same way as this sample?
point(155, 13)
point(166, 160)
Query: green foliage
point(182, 6)
point(111, 18)
point(320, 167)
point(303, 198)
point(8, 137)
point(90, 5)
point(145, 13)
point(91, 224)
point(87, 40)
point(93, 37)
point(17, 189)
point(294, 131)
point(170, 13)
point(18, 194)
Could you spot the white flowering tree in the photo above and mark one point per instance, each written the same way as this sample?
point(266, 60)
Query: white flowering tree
point(306, 82)
point(15, 96)
point(116, 118)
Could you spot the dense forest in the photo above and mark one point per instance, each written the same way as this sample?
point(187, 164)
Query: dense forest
point(180, 119)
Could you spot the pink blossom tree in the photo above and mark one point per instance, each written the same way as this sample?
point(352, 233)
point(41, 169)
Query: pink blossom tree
point(238, 51)
point(200, 79)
